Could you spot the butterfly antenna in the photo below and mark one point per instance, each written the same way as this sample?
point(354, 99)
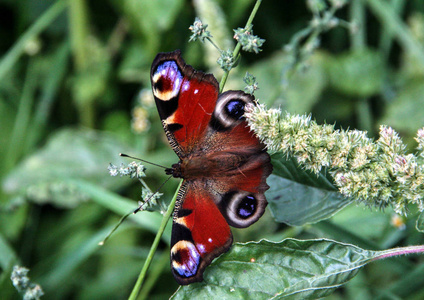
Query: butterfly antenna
point(136, 158)
point(114, 228)
point(140, 208)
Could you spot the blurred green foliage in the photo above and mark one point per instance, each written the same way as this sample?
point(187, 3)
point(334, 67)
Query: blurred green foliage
point(71, 74)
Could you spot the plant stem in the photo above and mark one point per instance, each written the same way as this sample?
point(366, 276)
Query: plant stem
point(363, 109)
point(161, 263)
point(166, 217)
point(213, 44)
point(364, 115)
point(79, 32)
point(49, 90)
point(236, 51)
point(386, 37)
point(357, 14)
point(400, 251)
point(79, 35)
point(23, 115)
point(117, 36)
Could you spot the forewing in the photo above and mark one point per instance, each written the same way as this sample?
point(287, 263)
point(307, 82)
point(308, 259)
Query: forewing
point(185, 99)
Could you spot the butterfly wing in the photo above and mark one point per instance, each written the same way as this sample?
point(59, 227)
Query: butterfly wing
point(243, 164)
point(185, 99)
point(199, 233)
point(225, 182)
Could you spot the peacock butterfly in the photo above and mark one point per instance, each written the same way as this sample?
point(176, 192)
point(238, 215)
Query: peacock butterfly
point(223, 164)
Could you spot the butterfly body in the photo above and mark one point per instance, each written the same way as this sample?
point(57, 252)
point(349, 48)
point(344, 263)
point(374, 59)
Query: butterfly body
point(223, 164)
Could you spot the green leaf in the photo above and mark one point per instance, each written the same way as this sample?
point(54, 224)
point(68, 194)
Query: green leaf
point(297, 197)
point(67, 263)
point(297, 204)
point(290, 169)
point(302, 89)
point(121, 206)
point(358, 73)
point(268, 74)
point(292, 269)
point(69, 154)
point(90, 82)
point(7, 254)
point(406, 111)
point(359, 219)
point(150, 18)
point(305, 86)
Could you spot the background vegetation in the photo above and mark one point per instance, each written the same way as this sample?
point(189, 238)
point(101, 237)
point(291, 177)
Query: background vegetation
point(75, 92)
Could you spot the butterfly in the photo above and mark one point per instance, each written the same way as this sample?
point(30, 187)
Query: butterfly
point(223, 165)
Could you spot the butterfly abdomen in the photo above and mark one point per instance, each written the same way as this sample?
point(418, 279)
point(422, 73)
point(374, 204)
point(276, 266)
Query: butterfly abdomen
point(213, 165)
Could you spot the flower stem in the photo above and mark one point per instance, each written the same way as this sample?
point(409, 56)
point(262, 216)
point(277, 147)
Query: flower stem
point(236, 51)
point(166, 217)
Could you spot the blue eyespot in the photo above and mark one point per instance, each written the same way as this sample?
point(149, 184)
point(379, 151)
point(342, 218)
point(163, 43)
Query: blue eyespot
point(247, 207)
point(185, 259)
point(169, 67)
point(168, 78)
point(235, 109)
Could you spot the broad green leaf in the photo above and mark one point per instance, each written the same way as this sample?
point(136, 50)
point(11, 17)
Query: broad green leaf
point(268, 74)
point(302, 89)
point(291, 269)
point(297, 197)
point(358, 73)
point(298, 204)
point(359, 220)
point(69, 154)
point(290, 169)
point(330, 230)
point(305, 86)
point(406, 111)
